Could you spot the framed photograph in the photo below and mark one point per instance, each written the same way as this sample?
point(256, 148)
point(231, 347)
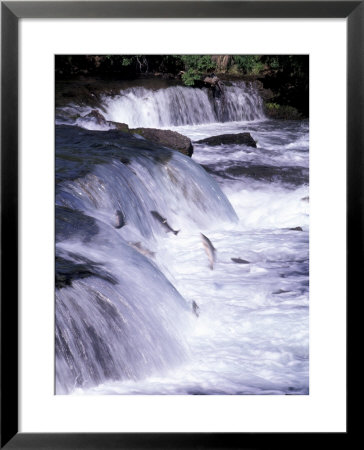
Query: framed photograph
point(181, 223)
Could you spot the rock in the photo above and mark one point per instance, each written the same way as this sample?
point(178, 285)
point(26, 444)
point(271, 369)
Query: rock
point(296, 229)
point(120, 126)
point(100, 120)
point(229, 139)
point(94, 114)
point(167, 138)
point(213, 80)
point(68, 271)
point(215, 84)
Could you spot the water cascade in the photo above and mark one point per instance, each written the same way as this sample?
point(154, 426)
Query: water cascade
point(172, 106)
point(108, 328)
point(179, 105)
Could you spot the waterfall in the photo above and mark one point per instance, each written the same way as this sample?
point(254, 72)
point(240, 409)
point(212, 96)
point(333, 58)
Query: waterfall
point(178, 275)
point(178, 105)
point(108, 327)
point(239, 102)
point(184, 192)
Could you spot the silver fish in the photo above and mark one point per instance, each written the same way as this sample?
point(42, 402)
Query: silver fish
point(195, 308)
point(163, 222)
point(144, 251)
point(210, 250)
point(240, 261)
point(119, 219)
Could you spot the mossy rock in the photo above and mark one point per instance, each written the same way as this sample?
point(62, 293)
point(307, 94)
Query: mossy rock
point(120, 126)
point(281, 112)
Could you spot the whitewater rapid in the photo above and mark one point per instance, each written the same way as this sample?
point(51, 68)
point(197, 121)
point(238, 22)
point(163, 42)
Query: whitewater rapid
point(251, 334)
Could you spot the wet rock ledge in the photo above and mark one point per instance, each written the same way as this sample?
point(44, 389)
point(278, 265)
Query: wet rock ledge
point(229, 139)
point(166, 138)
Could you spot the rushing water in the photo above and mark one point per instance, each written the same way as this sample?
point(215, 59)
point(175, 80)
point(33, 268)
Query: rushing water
point(127, 290)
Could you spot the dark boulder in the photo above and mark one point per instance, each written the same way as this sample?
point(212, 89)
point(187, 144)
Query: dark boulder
point(167, 138)
point(215, 84)
point(68, 271)
point(97, 116)
point(120, 126)
point(229, 139)
point(296, 229)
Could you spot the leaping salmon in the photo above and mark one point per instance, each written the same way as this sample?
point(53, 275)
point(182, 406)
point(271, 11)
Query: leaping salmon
point(144, 251)
point(195, 308)
point(210, 250)
point(163, 222)
point(119, 219)
point(240, 261)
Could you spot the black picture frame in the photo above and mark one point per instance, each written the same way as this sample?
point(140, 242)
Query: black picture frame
point(11, 12)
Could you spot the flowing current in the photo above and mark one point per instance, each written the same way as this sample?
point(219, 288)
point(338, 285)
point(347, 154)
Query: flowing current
point(138, 309)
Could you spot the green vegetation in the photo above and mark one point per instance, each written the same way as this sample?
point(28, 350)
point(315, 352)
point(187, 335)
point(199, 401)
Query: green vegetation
point(284, 112)
point(126, 61)
point(195, 67)
point(200, 63)
point(190, 77)
point(249, 64)
point(272, 106)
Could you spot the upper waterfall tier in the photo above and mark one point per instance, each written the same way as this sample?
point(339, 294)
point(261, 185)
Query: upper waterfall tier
point(178, 105)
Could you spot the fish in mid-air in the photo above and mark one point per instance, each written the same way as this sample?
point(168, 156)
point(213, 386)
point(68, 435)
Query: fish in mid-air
point(119, 219)
point(195, 308)
point(240, 261)
point(144, 251)
point(210, 250)
point(163, 222)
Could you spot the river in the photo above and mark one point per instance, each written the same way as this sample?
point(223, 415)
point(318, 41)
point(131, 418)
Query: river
point(139, 310)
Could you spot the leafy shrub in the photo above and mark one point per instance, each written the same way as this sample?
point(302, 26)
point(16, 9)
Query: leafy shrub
point(272, 106)
point(257, 68)
point(200, 63)
point(189, 77)
point(283, 112)
point(249, 64)
point(126, 61)
point(195, 67)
